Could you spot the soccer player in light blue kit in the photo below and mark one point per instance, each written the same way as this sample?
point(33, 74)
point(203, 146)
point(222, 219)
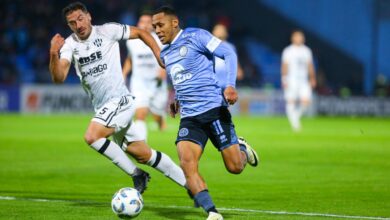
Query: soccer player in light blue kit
point(188, 58)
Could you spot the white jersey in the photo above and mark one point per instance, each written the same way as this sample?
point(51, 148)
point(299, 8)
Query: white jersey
point(298, 59)
point(97, 62)
point(144, 64)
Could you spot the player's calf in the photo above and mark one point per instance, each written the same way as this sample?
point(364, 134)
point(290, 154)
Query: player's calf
point(234, 159)
point(158, 160)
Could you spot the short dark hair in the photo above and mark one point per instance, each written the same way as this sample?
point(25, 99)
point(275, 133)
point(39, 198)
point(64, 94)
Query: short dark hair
point(73, 7)
point(166, 9)
point(297, 31)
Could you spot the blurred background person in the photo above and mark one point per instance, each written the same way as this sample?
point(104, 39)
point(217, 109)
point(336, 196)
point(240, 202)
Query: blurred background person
point(148, 80)
point(298, 78)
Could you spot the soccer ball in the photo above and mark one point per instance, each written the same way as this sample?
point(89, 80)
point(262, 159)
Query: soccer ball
point(127, 203)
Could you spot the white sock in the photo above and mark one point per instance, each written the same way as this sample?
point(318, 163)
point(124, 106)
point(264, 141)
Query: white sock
point(140, 127)
point(293, 116)
point(112, 151)
point(165, 165)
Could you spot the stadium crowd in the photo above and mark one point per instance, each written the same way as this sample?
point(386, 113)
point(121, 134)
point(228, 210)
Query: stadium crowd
point(26, 33)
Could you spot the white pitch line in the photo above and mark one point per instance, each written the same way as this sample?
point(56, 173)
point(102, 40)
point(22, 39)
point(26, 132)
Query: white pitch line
point(223, 209)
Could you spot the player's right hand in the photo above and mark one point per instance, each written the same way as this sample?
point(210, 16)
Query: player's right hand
point(174, 108)
point(56, 43)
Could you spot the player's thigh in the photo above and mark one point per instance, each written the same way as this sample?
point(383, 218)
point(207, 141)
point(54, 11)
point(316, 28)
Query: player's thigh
point(159, 102)
point(221, 131)
point(96, 131)
point(189, 155)
point(142, 92)
point(126, 136)
point(141, 113)
point(291, 92)
point(109, 119)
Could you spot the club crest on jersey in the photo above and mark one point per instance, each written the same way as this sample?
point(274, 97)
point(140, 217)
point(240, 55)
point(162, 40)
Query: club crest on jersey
point(183, 51)
point(183, 132)
point(98, 42)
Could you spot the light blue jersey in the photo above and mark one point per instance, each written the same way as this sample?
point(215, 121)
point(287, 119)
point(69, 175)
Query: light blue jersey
point(220, 68)
point(189, 62)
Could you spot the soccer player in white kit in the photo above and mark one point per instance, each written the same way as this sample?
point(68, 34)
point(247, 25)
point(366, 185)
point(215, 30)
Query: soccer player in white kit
point(94, 50)
point(298, 78)
point(148, 80)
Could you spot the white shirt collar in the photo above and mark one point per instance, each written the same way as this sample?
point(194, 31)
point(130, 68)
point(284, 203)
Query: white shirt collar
point(177, 36)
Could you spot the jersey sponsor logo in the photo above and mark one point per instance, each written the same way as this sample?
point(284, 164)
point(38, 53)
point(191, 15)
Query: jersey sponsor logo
point(188, 35)
point(178, 74)
point(183, 51)
point(91, 58)
point(94, 71)
point(183, 132)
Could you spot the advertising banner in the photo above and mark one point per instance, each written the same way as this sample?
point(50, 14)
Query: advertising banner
point(54, 99)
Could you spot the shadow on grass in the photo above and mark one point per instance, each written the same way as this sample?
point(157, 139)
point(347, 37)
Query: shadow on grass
point(187, 213)
point(175, 213)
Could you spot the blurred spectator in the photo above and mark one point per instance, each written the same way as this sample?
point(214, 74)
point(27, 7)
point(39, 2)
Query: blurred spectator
point(27, 27)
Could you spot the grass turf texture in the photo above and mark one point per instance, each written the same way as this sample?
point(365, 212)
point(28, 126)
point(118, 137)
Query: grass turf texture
point(336, 165)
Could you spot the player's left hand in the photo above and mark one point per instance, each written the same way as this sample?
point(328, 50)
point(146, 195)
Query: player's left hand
point(231, 95)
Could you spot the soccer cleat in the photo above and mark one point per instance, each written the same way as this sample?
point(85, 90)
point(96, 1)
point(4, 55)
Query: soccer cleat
point(251, 154)
point(196, 204)
point(214, 216)
point(141, 180)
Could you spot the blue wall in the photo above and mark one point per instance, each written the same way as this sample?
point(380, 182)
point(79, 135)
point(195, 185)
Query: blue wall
point(347, 24)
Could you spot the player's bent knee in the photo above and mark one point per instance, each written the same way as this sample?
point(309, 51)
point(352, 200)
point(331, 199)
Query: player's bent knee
point(235, 168)
point(90, 138)
point(142, 159)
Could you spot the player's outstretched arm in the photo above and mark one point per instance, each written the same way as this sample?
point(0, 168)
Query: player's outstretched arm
point(312, 76)
point(225, 52)
point(284, 71)
point(58, 68)
point(127, 66)
point(148, 39)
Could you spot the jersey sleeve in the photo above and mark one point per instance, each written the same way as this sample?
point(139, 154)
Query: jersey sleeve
point(129, 49)
point(66, 52)
point(284, 56)
point(116, 31)
point(206, 41)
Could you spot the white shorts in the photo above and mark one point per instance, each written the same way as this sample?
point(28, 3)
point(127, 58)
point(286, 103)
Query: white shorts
point(118, 114)
point(148, 94)
point(298, 91)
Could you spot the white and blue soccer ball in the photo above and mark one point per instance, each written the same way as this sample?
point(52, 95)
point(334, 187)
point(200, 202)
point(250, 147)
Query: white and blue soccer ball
point(127, 203)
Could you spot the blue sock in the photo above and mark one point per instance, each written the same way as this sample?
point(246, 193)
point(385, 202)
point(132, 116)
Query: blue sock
point(203, 199)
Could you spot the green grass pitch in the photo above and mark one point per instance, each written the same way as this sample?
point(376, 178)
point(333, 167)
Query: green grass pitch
point(335, 166)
